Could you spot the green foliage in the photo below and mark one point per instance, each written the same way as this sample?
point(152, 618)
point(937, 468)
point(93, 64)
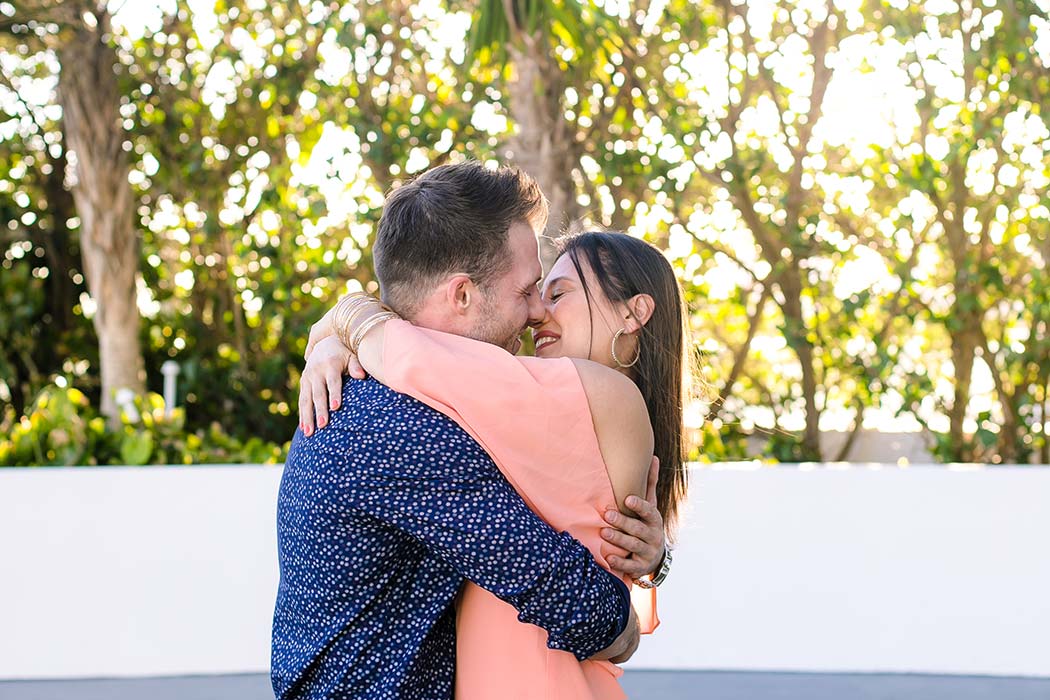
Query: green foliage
point(238, 259)
point(715, 442)
point(256, 203)
point(61, 428)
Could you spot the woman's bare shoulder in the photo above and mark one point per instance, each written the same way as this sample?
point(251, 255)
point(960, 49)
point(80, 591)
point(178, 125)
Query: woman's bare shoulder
point(621, 422)
point(606, 382)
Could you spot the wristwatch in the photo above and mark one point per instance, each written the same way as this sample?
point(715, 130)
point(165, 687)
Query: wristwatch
point(654, 580)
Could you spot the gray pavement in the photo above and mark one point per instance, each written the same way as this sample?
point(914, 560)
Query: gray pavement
point(665, 685)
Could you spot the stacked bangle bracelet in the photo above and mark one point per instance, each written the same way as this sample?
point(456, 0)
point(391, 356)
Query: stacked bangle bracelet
point(368, 324)
point(346, 313)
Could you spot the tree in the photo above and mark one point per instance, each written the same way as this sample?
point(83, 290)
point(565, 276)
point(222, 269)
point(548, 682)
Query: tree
point(581, 88)
point(759, 151)
point(246, 234)
point(978, 162)
point(41, 282)
point(246, 242)
point(79, 34)
point(837, 268)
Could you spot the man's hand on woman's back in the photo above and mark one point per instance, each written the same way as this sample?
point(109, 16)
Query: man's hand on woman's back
point(641, 536)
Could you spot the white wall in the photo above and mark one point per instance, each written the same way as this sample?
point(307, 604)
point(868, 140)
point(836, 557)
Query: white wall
point(136, 571)
point(156, 571)
point(924, 569)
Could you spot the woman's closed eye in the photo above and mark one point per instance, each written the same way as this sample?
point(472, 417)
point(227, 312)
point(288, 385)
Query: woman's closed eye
point(554, 296)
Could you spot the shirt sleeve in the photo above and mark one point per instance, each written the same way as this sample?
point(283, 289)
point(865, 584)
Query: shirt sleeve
point(442, 490)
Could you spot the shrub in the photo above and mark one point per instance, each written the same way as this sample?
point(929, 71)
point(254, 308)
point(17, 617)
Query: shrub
point(61, 428)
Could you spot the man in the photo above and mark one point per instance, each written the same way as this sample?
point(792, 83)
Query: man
point(385, 513)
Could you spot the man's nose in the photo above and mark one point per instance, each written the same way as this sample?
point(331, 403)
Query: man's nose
point(537, 310)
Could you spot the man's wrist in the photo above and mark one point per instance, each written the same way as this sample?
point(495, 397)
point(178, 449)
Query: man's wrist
point(654, 579)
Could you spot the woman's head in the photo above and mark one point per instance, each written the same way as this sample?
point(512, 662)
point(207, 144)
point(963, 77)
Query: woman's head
point(614, 299)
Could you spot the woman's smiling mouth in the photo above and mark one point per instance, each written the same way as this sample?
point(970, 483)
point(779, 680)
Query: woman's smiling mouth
point(544, 339)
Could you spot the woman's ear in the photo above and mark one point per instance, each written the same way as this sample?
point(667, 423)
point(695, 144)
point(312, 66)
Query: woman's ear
point(639, 309)
point(460, 293)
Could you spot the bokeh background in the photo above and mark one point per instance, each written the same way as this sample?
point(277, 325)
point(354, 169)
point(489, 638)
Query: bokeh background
point(854, 195)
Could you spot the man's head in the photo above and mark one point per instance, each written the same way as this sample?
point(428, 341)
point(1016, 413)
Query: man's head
point(456, 251)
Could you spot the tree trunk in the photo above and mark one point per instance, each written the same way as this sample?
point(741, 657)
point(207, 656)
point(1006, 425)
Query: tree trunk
point(58, 247)
point(90, 100)
point(542, 145)
point(1009, 433)
point(964, 348)
point(791, 285)
point(229, 292)
point(1044, 446)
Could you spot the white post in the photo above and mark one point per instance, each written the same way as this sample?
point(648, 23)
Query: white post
point(170, 370)
point(125, 400)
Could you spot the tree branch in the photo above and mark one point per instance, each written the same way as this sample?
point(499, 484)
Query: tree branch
point(717, 249)
point(818, 44)
point(858, 424)
point(741, 354)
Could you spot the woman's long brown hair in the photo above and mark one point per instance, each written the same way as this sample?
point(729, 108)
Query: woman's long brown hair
point(625, 266)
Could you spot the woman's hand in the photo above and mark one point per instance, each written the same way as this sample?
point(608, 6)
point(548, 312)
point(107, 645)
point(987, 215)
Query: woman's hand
point(319, 331)
point(641, 536)
point(321, 385)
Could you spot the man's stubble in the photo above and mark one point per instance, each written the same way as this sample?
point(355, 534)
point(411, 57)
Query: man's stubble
point(493, 327)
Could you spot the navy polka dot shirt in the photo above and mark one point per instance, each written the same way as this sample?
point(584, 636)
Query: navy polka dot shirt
point(380, 518)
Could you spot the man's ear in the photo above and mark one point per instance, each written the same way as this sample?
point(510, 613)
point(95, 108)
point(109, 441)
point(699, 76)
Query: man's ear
point(637, 311)
point(460, 293)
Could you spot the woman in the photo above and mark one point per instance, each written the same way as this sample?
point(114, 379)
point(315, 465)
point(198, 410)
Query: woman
point(613, 300)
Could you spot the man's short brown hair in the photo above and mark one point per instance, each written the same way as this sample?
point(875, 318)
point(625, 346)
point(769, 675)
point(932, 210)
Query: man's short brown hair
point(453, 218)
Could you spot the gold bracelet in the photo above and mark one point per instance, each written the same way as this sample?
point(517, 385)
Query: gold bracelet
point(367, 325)
point(343, 308)
point(348, 303)
point(346, 311)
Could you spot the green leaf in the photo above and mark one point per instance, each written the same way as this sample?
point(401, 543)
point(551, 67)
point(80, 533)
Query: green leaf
point(136, 448)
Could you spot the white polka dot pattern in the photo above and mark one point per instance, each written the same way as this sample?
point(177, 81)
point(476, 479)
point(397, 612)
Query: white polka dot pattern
point(381, 516)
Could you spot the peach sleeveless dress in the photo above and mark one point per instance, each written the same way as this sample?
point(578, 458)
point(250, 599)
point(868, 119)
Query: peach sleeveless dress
point(532, 417)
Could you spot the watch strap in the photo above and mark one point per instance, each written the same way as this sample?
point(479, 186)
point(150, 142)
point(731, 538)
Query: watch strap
point(654, 580)
point(665, 568)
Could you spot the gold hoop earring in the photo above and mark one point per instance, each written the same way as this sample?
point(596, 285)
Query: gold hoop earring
point(617, 359)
